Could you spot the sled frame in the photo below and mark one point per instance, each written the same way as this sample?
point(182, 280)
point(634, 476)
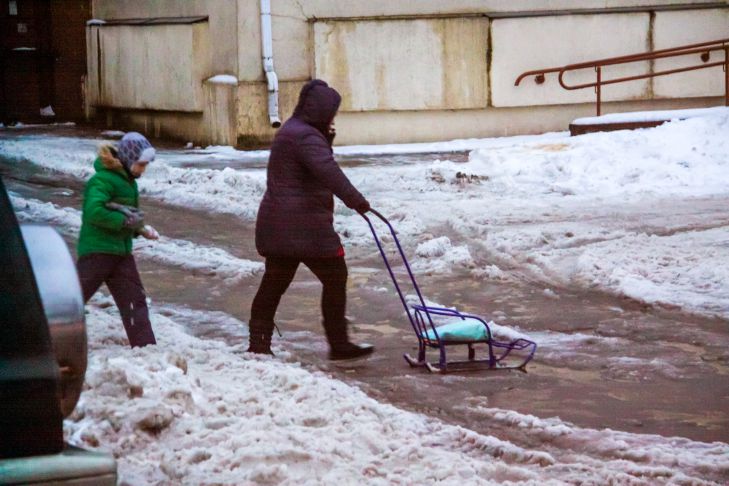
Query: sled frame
point(421, 320)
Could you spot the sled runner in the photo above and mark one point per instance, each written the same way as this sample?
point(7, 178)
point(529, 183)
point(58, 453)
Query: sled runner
point(460, 330)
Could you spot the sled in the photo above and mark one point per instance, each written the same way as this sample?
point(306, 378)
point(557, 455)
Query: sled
point(422, 318)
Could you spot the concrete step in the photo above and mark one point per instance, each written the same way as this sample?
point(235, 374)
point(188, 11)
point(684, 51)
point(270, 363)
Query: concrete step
point(638, 119)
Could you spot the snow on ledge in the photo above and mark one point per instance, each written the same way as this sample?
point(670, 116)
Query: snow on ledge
point(650, 116)
point(113, 133)
point(223, 79)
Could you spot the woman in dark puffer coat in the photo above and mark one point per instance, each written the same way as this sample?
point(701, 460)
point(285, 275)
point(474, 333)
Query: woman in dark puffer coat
point(295, 219)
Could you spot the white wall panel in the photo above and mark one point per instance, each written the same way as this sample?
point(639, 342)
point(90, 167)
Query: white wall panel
point(526, 44)
point(690, 27)
point(419, 64)
point(156, 67)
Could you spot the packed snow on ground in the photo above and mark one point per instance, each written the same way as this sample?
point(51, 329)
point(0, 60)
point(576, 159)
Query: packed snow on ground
point(637, 213)
point(191, 411)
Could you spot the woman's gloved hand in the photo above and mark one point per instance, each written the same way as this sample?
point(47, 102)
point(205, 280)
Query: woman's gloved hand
point(363, 207)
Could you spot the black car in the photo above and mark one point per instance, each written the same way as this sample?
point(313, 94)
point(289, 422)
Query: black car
point(43, 356)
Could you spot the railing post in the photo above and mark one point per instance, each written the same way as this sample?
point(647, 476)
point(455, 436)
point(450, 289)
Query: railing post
point(598, 87)
point(726, 75)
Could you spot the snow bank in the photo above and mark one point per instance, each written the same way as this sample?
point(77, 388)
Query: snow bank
point(676, 266)
point(201, 412)
point(678, 158)
point(438, 255)
point(461, 145)
point(689, 269)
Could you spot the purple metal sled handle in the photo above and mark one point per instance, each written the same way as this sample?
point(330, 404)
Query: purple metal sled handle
point(389, 268)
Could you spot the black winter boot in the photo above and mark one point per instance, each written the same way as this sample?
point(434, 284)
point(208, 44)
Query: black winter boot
point(259, 339)
point(350, 351)
point(339, 346)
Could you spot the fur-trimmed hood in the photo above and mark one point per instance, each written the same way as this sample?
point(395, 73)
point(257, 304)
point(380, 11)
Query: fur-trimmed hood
point(107, 155)
point(318, 104)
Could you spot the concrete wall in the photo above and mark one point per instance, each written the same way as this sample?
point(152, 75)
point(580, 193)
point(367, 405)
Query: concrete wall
point(223, 20)
point(401, 75)
point(325, 9)
point(153, 78)
point(421, 64)
point(524, 44)
point(680, 28)
point(156, 67)
point(432, 69)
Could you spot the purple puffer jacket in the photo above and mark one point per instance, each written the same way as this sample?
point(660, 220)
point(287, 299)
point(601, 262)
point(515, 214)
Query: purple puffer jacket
point(297, 211)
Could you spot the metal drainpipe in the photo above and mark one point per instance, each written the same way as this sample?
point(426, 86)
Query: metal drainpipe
point(271, 78)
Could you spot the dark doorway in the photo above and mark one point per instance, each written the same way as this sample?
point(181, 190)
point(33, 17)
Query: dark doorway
point(42, 60)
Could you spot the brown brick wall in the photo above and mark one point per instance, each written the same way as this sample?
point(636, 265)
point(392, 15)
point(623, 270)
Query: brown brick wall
point(68, 34)
point(52, 72)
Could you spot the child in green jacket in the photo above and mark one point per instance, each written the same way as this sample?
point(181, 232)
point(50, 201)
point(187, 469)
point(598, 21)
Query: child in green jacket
point(111, 218)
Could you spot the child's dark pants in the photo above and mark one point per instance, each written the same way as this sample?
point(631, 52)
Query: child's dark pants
point(122, 278)
point(280, 271)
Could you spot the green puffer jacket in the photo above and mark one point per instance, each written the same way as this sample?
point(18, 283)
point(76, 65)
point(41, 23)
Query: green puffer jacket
point(102, 230)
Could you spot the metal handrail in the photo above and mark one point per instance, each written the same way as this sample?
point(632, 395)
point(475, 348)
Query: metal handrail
point(703, 48)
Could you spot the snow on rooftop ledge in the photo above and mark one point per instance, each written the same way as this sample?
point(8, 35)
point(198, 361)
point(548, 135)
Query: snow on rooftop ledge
point(223, 79)
point(650, 116)
point(95, 22)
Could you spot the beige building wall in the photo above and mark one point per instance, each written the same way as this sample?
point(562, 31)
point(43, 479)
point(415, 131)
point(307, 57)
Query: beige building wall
point(421, 64)
point(154, 77)
point(427, 70)
point(525, 44)
point(680, 28)
point(155, 67)
point(223, 17)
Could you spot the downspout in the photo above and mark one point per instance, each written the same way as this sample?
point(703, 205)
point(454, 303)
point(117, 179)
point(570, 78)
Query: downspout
point(271, 78)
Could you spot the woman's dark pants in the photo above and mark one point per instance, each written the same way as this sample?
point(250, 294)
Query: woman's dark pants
point(280, 271)
point(122, 278)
